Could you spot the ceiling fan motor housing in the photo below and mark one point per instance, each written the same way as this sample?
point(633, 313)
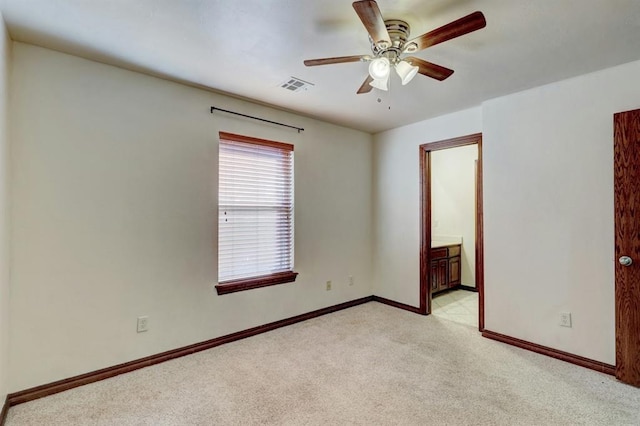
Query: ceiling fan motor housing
point(398, 33)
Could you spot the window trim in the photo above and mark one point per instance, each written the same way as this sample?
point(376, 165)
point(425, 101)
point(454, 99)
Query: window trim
point(241, 284)
point(255, 141)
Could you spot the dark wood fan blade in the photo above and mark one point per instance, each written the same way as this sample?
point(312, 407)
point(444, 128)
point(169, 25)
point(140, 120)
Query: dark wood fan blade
point(429, 69)
point(337, 60)
point(462, 26)
point(366, 87)
point(371, 17)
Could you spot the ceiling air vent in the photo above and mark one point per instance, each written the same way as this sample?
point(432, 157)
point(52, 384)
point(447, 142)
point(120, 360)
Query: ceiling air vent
point(294, 84)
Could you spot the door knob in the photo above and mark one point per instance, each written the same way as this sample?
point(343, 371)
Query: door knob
point(625, 261)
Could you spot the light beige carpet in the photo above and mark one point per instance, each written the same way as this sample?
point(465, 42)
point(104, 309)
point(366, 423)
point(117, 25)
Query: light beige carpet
point(367, 365)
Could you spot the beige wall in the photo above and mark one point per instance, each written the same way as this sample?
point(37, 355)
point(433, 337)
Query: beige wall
point(115, 212)
point(396, 200)
point(453, 202)
point(548, 208)
point(5, 53)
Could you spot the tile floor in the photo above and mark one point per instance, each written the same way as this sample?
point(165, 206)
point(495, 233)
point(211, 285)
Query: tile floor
point(459, 306)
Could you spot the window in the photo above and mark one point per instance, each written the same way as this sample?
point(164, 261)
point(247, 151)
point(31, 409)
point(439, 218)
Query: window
point(255, 213)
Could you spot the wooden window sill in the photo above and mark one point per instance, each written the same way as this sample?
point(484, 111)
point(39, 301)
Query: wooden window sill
point(233, 286)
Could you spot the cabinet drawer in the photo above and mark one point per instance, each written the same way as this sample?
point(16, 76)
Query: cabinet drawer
point(437, 253)
point(454, 251)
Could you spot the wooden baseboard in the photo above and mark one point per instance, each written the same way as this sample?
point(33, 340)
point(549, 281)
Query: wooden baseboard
point(468, 288)
point(554, 353)
point(105, 373)
point(3, 412)
point(398, 305)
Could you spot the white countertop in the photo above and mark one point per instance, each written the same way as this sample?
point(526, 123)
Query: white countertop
point(436, 244)
point(443, 241)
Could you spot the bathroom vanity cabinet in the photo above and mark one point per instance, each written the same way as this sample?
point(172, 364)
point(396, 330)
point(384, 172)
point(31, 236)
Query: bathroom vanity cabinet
point(445, 267)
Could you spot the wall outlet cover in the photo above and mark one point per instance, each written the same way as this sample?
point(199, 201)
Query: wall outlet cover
point(143, 324)
point(565, 319)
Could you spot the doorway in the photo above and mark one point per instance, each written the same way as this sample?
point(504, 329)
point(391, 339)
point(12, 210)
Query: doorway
point(627, 244)
point(427, 261)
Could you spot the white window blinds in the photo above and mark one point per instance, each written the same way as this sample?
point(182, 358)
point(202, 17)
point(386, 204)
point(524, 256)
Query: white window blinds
point(255, 208)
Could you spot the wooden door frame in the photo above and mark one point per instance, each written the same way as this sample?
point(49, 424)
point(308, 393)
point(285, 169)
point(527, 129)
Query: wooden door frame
point(425, 220)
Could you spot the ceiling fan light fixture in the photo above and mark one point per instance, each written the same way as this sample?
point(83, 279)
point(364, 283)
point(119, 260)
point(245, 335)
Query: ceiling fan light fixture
point(380, 68)
point(406, 71)
point(411, 47)
point(380, 83)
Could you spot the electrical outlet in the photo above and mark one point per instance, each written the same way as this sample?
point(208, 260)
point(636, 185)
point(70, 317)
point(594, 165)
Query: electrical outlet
point(351, 280)
point(143, 324)
point(565, 319)
point(328, 285)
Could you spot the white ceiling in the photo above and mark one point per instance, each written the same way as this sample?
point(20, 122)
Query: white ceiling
point(249, 47)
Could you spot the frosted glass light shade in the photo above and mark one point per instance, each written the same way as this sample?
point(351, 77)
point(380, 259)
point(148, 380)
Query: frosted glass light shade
point(406, 71)
point(379, 68)
point(380, 83)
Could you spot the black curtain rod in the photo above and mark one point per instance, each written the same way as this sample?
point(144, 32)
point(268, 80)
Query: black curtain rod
point(299, 129)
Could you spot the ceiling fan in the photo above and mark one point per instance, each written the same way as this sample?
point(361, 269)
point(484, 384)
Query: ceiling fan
point(390, 42)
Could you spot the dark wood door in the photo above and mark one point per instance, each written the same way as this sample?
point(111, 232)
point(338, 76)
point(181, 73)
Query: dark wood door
point(627, 243)
point(454, 271)
point(443, 270)
point(434, 276)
